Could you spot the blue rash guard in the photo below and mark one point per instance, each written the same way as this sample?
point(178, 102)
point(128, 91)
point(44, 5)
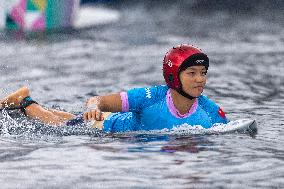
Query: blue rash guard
point(152, 109)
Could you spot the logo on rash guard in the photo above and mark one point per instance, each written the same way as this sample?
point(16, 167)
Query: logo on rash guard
point(221, 113)
point(148, 92)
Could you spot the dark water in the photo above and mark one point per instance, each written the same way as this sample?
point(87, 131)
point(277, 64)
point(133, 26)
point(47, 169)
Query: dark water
point(246, 49)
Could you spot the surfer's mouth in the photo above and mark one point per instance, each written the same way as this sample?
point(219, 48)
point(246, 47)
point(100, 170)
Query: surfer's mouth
point(199, 87)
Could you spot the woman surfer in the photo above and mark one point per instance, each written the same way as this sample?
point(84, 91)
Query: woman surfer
point(151, 108)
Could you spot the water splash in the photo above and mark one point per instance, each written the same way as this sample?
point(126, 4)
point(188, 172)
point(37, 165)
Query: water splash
point(6, 123)
point(30, 129)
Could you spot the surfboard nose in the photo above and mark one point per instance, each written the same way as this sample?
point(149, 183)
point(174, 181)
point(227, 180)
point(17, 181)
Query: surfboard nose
point(252, 127)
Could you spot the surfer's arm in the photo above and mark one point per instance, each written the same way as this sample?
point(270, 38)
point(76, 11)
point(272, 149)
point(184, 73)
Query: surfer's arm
point(106, 103)
point(99, 104)
point(133, 100)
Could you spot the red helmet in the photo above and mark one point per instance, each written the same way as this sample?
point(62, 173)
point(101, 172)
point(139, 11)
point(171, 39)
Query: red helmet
point(178, 59)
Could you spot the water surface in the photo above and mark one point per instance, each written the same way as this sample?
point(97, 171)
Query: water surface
point(63, 69)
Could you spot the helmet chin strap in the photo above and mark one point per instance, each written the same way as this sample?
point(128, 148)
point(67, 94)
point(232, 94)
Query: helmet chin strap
point(181, 91)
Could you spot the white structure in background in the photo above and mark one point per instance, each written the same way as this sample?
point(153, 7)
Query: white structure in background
point(41, 15)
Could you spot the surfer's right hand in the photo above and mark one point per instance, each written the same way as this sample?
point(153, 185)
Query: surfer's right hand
point(93, 114)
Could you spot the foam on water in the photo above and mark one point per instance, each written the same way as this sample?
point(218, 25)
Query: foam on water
point(27, 129)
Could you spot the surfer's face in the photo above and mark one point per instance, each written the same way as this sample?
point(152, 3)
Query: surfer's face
point(193, 80)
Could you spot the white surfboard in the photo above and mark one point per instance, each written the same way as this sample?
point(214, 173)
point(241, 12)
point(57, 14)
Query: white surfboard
point(245, 126)
point(241, 126)
point(248, 126)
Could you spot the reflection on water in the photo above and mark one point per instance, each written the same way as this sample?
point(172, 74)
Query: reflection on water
point(245, 78)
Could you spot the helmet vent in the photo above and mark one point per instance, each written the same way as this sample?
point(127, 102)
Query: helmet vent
point(171, 78)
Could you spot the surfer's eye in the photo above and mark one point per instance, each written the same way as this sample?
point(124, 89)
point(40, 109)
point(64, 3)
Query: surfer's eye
point(204, 73)
point(191, 73)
